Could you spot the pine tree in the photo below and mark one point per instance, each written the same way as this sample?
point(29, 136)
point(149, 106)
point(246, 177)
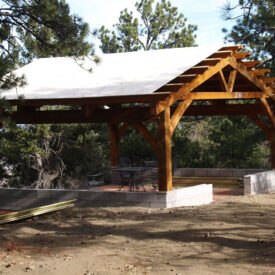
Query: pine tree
point(255, 28)
point(33, 155)
point(160, 26)
point(32, 28)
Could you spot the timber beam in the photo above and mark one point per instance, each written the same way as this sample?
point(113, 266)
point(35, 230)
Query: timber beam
point(262, 125)
point(134, 115)
point(224, 95)
point(178, 113)
point(141, 128)
point(91, 101)
point(269, 112)
point(223, 110)
point(130, 115)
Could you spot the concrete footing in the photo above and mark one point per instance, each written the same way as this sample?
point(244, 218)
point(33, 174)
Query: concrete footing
point(259, 183)
point(19, 199)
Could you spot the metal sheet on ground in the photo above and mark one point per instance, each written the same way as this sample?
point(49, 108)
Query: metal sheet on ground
point(20, 215)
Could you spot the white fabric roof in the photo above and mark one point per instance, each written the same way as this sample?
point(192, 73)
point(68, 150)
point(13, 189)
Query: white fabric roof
point(133, 73)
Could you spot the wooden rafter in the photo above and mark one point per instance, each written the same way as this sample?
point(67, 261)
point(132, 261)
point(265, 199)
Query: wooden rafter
point(241, 55)
point(209, 62)
point(251, 64)
point(232, 48)
point(197, 69)
point(260, 72)
point(268, 80)
point(221, 54)
point(184, 78)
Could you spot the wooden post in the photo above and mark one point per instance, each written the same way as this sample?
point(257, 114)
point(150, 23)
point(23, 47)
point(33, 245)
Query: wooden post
point(164, 154)
point(272, 147)
point(114, 144)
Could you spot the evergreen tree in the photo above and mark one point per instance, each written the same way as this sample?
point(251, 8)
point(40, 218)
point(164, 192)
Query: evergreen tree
point(37, 155)
point(255, 28)
point(32, 28)
point(160, 26)
point(53, 156)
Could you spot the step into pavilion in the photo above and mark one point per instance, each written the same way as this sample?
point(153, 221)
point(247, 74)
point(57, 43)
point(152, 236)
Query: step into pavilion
point(137, 88)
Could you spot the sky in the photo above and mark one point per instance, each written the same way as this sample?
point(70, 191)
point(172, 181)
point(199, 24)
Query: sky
point(206, 14)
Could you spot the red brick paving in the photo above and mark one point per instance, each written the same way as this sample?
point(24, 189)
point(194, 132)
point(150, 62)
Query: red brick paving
point(113, 188)
point(218, 193)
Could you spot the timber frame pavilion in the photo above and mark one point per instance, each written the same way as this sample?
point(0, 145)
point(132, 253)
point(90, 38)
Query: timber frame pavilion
point(221, 79)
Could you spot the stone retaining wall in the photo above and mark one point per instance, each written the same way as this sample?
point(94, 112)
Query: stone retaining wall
point(259, 183)
point(19, 199)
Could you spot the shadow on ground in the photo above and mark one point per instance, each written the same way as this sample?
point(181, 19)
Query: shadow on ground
point(237, 230)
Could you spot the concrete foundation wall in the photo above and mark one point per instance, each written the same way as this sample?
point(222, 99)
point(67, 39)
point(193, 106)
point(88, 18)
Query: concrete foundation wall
point(214, 172)
point(190, 196)
point(19, 199)
point(259, 183)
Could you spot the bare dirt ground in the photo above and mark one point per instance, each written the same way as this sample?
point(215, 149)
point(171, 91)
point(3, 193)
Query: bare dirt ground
point(234, 235)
